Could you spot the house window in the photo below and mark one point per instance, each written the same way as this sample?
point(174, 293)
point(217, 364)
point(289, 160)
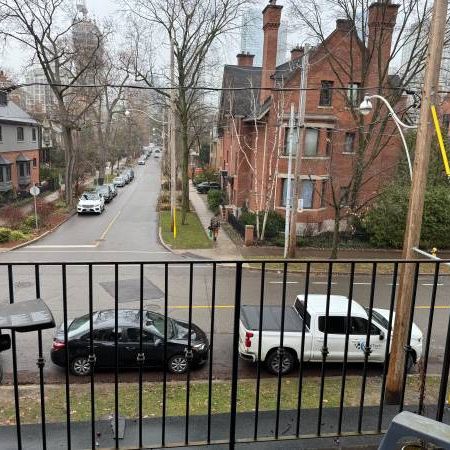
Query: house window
point(5, 174)
point(287, 140)
point(329, 142)
point(323, 195)
point(24, 169)
point(326, 92)
point(34, 162)
point(3, 98)
point(446, 122)
point(349, 143)
point(307, 193)
point(345, 195)
point(33, 134)
point(20, 133)
point(311, 141)
point(353, 94)
point(284, 187)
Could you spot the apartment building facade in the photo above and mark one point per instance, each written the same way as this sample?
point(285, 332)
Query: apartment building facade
point(252, 149)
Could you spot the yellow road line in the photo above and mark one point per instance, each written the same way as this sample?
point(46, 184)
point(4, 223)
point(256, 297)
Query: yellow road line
point(436, 307)
point(102, 237)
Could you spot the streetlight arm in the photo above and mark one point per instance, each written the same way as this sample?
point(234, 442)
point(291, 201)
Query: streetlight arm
point(389, 107)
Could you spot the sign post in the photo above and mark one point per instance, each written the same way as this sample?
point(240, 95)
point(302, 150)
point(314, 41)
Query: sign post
point(35, 191)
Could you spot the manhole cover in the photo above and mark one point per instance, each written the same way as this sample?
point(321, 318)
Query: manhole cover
point(23, 284)
point(129, 290)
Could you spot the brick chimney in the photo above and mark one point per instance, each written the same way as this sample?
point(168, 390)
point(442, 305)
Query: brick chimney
point(271, 23)
point(297, 53)
point(245, 59)
point(344, 25)
point(382, 17)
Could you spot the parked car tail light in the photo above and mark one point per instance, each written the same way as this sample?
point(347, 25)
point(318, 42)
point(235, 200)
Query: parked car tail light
point(58, 345)
point(248, 338)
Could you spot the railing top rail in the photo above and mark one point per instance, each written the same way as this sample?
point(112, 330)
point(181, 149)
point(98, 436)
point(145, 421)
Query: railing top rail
point(230, 261)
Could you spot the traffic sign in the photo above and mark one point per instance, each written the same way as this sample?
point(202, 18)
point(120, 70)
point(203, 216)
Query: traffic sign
point(35, 191)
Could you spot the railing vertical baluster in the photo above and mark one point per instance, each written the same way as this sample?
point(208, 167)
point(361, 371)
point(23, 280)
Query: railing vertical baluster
point(211, 349)
point(347, 338)
point(235, 367)
point(14, 358)
point(424, 368)
point(189, 355)
point(258, 364)
point(164, 392)
point(408, 341)
point(141, 356)
point(116, 350)
point(281, 351)
point(92, 357)
point(367, 349)
point(324, 348)
point(388, 346)
point(302, 349)
point(40, 362)
point(444, 377)
point(67, 354)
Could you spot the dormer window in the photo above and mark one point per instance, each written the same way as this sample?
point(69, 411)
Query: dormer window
point(3, 98)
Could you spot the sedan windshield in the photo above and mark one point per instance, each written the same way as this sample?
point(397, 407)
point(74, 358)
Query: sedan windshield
point(90, 196)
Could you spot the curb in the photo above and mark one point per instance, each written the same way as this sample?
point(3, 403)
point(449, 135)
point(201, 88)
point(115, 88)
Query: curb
point(162, 242)
point(24, 244)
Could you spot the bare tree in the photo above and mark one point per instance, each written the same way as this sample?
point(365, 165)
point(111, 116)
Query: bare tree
point(193, 27)
point(371, 64)
point(47, 29)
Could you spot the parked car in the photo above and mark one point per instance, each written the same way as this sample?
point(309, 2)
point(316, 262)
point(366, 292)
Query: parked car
point(128, 338)
point(206, 186)
point(113, 189)
point(130, 173)
point(141, 162)
point(105, 191)
point(90, 202)
point(157, 153)
point(126, 176)
point(119, 181)
point(316, 325)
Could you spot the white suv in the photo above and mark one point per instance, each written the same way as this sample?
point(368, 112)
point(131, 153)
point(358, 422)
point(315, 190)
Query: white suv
point(91, 202)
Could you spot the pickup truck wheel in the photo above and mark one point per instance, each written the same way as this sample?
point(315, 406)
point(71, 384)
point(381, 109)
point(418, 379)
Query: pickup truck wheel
point(410, 363)
point(273, 362)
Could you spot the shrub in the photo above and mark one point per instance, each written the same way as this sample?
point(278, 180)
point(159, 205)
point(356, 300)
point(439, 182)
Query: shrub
point(17, 235)
point(44, 211)
point(274, 224)
point(12, 216)
point(5, 234)
point(215, 198)
point(28, 224)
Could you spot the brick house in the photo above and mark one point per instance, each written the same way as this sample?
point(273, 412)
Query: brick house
point(251, 151)
point(19, 148)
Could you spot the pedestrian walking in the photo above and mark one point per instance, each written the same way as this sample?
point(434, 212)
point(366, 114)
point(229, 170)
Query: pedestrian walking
point(214, 227)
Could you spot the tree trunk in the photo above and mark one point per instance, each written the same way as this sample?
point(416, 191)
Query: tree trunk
point(184, 169)
point(70, 164)
point(335, 245)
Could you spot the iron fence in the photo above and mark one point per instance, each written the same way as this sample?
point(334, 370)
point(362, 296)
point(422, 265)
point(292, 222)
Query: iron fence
point(329, 397)
point(236, 224)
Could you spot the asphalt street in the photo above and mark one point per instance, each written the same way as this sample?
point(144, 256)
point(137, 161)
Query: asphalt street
point(128, 232)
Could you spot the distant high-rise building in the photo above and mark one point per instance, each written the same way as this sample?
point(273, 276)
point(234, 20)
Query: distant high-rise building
point(39, 96)
point(252, 36)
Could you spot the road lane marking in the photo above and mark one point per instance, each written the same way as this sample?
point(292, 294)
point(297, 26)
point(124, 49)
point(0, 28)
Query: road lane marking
point(364, 283)
point(64, 246)
point(431, 284)
point(201, 307)
point(322, 282)
point(280, 282)
point(436, 307)
point(103, 236)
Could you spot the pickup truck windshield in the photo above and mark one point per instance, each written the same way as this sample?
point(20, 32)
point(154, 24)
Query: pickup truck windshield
point(379, 318)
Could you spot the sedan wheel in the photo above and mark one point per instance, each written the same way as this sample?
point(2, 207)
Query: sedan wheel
point(287, 362)
point(80, 366)
point(178, 364)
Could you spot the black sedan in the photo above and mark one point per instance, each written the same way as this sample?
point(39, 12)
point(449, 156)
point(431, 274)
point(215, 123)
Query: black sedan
point(105, 192)
point(206, 186)
point(128, 341)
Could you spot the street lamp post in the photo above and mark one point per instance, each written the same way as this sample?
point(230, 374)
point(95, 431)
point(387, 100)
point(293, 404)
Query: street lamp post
point(366, 107)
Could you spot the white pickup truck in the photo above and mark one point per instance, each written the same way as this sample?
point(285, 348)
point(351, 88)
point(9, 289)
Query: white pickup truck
point(315, 320)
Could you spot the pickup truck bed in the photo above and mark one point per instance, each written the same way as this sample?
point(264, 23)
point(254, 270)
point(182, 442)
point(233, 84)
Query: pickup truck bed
point(271, 318)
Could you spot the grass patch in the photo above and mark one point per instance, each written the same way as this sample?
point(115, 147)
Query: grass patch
point(176, 397)
point(191, 235)
point(361, 268)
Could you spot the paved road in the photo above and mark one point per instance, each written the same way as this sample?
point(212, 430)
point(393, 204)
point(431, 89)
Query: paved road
point(127, 231)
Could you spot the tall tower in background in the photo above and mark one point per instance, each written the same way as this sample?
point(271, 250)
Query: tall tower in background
point(81, 7)
point(252, 36)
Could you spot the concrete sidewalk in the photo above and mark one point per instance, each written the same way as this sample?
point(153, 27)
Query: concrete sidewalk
point(224, 247)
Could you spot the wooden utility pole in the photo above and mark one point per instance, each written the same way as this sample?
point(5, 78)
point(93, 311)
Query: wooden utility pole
point(297, 186)
point(172, 140)
point(394, 383)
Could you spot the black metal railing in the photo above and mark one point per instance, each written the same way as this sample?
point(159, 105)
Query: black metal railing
point(329, 394)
